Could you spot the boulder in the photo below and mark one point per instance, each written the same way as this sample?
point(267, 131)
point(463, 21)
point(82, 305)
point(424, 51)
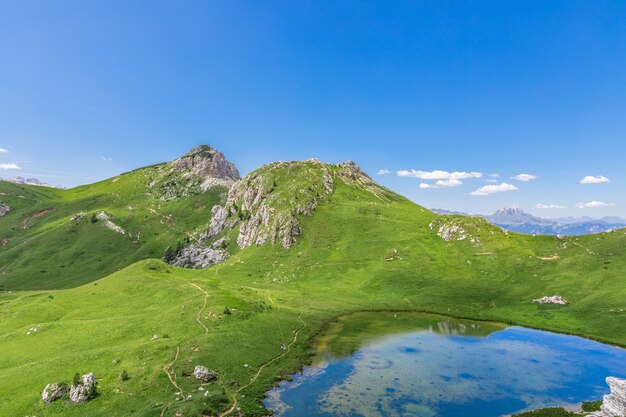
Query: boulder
point(555, 299)
point(204, 374)
point(53, 392)
point(614, 404)
point(4, 209)
point(84, 390)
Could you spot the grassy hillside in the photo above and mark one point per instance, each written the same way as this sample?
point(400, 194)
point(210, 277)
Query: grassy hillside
point(42, 247)
point(357, 250)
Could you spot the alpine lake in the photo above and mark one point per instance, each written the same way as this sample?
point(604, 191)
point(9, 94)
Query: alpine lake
point(424, 365)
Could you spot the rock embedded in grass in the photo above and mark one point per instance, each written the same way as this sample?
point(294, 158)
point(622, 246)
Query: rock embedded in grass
point(53, 392)
point(84, 390)
point(4, 209)
point(204, 374)
point(555, 299)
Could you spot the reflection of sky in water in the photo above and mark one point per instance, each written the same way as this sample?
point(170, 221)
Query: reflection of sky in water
point(425, 374)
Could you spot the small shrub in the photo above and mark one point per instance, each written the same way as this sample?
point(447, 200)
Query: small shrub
point(588, 406)
point(77, 379)
point(546, 412)
point(124, 376)
point(227, 311)
point(94, 218)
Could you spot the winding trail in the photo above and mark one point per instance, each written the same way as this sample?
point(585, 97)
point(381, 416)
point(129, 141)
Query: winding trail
point(199, 315)
point(170, 220)
point(171, 375)
point(258, 372)
point(589, 251)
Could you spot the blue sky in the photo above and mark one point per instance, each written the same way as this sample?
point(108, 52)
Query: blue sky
point(91, 89)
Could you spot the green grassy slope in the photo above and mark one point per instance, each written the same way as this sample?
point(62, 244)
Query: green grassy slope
point(42, 248)
point(358, 251)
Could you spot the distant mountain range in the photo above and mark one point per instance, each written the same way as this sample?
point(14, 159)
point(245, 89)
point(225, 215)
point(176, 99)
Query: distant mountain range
point(517, 220)
point(29, 181)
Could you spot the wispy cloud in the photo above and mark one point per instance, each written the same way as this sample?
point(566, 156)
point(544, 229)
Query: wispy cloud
point(442, 184)
point(2, 150)
point(383, 172)
point(105, 158)
point(9, 166)
point(598, 179)
point(494, 175)
point(493, 189)
point(550, 206)
point(593, 204)
point(438, 174)
point(524, 177)
point(492, 181)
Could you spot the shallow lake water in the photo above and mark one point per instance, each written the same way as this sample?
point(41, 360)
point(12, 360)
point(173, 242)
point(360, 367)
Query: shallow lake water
point(386, 364)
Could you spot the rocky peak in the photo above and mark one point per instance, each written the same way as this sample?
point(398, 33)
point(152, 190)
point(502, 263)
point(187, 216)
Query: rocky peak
point(513, 216)
point(208, 164)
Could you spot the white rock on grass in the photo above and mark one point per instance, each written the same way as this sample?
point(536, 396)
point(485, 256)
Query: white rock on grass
point(53, 392)
point(85, 390)
point(204, 374)
point(555, 299)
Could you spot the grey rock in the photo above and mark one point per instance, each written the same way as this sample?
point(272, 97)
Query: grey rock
point(85, 390)
point(4, 209)
point(198, 255)
point(219, 215)
point(53, 392)
point(204, 374)
point(614, 404)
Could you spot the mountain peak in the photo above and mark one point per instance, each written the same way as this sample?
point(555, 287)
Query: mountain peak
point(513, 215)
point(209, 164)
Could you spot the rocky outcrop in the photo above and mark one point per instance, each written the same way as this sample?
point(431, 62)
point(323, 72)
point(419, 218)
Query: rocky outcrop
point(266, 204)
point(85, 390)
point(554, 299)
point(109, 224)
point(219, 217)
point(208, 164)
point(4, 209)
point(53, 392)
point(614, 404)
point(198, 255)
point(451, 229)
point(204, 374)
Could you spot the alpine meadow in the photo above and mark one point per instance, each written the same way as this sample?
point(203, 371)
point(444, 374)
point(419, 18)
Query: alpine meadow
point(142, 277)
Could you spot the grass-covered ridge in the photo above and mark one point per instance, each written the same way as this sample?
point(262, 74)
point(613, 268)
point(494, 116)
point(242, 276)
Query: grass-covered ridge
point(356, 251)
point(55, 239)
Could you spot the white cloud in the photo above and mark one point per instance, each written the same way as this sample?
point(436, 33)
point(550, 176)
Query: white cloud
point(524, 177)
point(594, 204)
point(383, 172)
point(2, 150)
point(105, 158)
point(442, 184)
point(9, 166)
point(438, 174)
point(598, 179)
point(494, 175)
point(550, 206)
point(492, 181)
point(493, 189)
